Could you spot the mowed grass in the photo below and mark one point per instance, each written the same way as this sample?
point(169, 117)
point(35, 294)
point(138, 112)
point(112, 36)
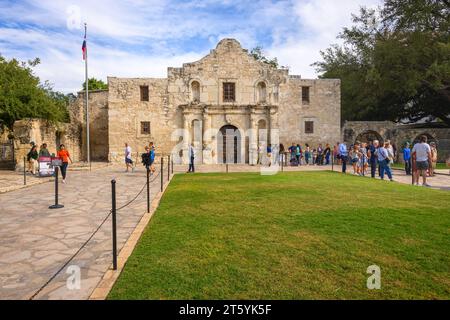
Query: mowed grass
point(303, 235)
point(439, 166)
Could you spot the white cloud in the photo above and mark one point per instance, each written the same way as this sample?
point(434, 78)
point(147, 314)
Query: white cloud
point(319, 22)
point(137, 38)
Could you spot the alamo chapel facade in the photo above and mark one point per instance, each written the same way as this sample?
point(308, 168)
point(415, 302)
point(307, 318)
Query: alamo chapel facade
point(228, 104)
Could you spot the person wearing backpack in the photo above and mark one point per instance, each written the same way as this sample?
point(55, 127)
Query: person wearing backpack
point(146, 158)
point(32, 157)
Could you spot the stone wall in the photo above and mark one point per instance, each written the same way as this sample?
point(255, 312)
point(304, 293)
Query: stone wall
point(324, 110)
point(39, 132)
point(127, 111)
point(399, 134)
point(98, 123)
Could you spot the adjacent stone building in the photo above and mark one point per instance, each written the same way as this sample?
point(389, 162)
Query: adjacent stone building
point(228, 104)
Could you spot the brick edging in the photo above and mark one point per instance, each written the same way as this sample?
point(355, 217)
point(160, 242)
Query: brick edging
point(110, 277)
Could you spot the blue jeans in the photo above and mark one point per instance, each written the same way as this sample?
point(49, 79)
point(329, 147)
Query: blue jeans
point(384, 168)
point(191, 165)
point(344, 163)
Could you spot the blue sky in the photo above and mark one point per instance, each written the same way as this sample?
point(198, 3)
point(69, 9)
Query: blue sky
point(141, 38)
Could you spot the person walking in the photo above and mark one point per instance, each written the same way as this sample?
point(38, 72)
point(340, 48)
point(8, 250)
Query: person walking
point(434, 158)
point(407, 158)
point(43, 152)
point(372, 154)
point(292, 150)
point(152, 156)
point(298, 154)
point(307, 154)
point(364, 159)
point(128, 158)
point(354, 156)
point(343, 156)
point(282, 155)
point(64, 154)
point(327, 153)
point(191, 158)
point(269, 155)
point(421, 156)
point(383, 160)
point(32, 157)
point(319, 160)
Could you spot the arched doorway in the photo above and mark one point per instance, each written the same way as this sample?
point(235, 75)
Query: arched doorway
point(368, 136)
point(229, 145)
point(429, 137)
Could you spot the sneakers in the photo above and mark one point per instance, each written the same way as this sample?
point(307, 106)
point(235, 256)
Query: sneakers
point(64, 181)
point(426, 185)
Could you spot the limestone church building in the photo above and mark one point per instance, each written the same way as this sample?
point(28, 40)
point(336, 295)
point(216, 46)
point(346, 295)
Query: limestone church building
point(228, 104)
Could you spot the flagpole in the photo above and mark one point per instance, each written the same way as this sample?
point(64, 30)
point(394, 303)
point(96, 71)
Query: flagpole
point(87, 101)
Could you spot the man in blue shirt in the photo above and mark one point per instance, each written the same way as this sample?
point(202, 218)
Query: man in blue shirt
point(343, 154)
point(373, 157)
point(407, 158)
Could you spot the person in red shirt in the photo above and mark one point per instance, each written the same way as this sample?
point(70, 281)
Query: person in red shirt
point(65, 156)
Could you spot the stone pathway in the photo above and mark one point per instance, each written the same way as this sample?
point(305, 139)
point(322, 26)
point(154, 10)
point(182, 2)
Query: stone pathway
point(14, 180)
point(35, 241)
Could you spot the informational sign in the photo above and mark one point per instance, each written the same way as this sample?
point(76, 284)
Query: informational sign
point(56, 162)
point(45, 167)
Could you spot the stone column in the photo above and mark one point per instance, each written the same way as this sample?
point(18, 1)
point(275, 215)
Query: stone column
point(186, 139)
point(207, 143)
point(274, 133)
point(253, 140)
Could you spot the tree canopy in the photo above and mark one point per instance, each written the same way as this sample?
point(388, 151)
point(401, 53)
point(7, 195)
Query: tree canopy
point(22, 95)
point(394, 63)
point(258, 54)
point(95, 84)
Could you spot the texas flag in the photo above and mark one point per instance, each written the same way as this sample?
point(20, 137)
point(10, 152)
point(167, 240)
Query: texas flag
point(84, 47)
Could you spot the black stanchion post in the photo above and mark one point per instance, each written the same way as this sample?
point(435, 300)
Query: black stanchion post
point(332, 162)
point(172, 165)
point(282, 162)
point(24, 171)
point(114, 231)
point(56, 205)
point(168, 168)
point(162, 173)
point(148, 190)
point(227, 167)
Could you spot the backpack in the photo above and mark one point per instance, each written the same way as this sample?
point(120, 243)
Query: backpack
point(145, 159)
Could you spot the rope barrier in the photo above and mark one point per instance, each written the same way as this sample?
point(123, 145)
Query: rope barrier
point(71, 258)
point(89, 239)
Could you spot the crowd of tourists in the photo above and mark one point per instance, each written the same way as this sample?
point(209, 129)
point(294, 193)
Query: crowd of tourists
point(306, 155)
point(372, 158)
point(421, 160)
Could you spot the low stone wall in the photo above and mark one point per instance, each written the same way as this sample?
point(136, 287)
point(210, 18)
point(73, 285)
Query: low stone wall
point(40, 131)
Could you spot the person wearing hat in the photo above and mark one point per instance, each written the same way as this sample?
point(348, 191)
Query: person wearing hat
point(407, 158)
point(434, 158)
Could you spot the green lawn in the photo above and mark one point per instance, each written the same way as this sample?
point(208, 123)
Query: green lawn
point(303, 235)
point(439, 166)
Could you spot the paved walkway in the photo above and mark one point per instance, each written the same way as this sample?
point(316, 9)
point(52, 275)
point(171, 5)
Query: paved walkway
point(35, 241)
point(14, 180)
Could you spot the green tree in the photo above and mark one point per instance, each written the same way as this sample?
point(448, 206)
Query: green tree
point(23, 96)
point(95, 84)
point(258, 54)
point(394, 63)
